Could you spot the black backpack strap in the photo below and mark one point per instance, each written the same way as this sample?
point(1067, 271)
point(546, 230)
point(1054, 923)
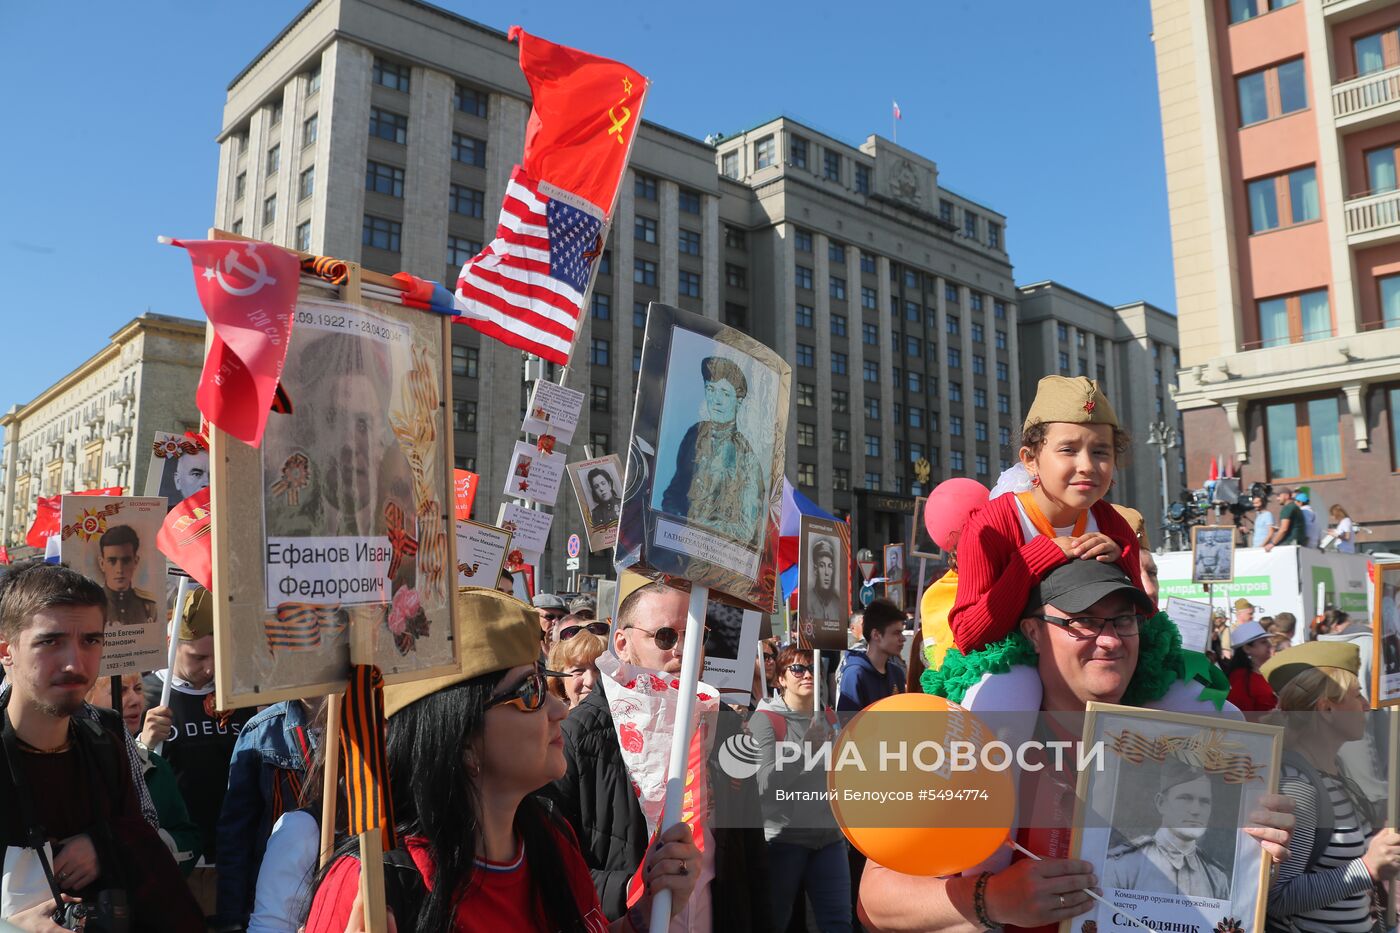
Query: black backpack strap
point(404, 889)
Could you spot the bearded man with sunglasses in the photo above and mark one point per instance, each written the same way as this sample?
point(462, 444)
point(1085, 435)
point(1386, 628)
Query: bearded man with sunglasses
point(596, 794)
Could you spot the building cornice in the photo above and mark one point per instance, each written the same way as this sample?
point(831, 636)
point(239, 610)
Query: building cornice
point(148, 323)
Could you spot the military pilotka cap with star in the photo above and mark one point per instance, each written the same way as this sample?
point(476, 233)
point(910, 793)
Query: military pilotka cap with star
point(1289, 663)
point(197, 615)
point(1071, 399)
point(495, 632)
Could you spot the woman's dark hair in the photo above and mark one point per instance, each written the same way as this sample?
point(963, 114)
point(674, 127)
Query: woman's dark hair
point(1238, 660)
point(436, 797)
point(1036, 432)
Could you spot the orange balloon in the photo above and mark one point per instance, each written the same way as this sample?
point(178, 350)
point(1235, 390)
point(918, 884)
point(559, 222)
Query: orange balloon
point(905, 807)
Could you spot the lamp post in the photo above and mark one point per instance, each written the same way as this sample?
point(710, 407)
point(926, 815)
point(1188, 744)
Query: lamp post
point(1163, 435)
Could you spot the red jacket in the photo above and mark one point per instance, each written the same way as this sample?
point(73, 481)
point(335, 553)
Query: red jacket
point(1251, 692)
point(996, 571)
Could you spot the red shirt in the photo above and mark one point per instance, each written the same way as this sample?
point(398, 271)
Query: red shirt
point(1251, 692)
point(501, 896)
point(996, 570)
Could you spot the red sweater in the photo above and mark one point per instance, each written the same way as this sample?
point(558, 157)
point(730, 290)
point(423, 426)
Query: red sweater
point(996, 570)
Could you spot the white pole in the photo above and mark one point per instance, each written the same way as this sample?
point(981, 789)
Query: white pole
point(180, 594)
point(1321, 606)
point(681, 735)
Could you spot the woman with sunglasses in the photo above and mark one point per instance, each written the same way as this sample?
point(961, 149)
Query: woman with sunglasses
point(577, 645)
point(805, 846)
point(466, 753)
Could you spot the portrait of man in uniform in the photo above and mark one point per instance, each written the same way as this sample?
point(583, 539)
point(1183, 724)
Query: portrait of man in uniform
point(1213, 553)
point(719, 482)
point(1170, 860)
point(821, 589)
point(119, 560)
point(191, 473)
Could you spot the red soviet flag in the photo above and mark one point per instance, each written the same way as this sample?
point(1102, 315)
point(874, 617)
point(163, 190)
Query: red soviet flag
point(249, 291)
point(184, 538)
point(47, 514)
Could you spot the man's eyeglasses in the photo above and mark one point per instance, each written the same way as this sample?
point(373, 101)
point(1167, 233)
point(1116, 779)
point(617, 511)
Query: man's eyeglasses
point(597, 628)
point(1086, 627)
point(553, 616)
point(667, 637)
point(528, 695)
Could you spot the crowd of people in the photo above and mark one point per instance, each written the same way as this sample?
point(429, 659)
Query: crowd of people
point(524, 797)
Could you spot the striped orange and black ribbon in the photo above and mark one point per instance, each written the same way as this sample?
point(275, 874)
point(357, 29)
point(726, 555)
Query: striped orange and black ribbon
point(334, 271)
point(368, 801)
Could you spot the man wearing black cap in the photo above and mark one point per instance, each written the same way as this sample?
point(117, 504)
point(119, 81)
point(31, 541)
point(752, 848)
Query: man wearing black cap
point(1084, 620)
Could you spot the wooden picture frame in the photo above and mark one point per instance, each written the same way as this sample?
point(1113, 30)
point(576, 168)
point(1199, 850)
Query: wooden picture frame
point(1384, 687)
point(822, 622)
point(1240, 762)
point(408, 640)
point(921, 543)
point(1209, 543)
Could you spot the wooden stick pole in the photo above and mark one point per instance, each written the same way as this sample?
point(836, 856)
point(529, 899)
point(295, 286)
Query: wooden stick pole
point(330, 753)
point(681, 735)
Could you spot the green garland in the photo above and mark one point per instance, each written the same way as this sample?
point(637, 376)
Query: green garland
point(1161, 662)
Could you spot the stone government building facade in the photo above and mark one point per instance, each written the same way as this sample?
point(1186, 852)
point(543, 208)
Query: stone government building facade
point(384, 131)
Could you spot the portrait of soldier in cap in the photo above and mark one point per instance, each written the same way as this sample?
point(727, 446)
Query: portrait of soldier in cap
point(1213, 553)
point(1170, 860)
point(119, 561)
point(719, 482)
point(602, 485)
point(821, 591)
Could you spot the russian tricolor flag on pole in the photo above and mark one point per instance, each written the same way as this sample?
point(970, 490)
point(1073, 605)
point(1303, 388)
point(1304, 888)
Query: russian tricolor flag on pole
point(795, 505)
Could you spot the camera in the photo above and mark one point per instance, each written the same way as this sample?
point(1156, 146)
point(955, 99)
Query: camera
point(106, 913)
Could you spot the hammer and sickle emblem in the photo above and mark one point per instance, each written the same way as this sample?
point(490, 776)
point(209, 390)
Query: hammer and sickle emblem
point(618, 122)
point(233, 263)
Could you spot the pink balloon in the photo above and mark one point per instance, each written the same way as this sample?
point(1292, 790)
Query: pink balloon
point(949, 505)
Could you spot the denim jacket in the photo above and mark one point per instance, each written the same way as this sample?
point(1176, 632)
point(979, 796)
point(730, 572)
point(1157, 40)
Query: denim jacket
point(269, 761)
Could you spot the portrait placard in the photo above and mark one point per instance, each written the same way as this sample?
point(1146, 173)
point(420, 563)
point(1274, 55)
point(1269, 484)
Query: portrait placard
point(112, 540)
point(598, 490)
point(1212, 554)
point(554, 410)
point(1385, 622)
point(529, 529)
point(1161, 818)
point(894, 592)
point(534, 474)
point(824, 591)
point(921, 542)
point(336, 537)
point(1192, 621)
point(179, 467)
point(703, 490)
point(481, 553)
point(731, 647)
point(894, 563)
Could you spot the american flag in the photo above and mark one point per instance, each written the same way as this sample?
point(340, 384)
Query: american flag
point(526, 288)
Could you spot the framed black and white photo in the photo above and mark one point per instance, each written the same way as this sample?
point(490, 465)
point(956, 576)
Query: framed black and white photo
point(112, 540)
point(894, 563)
point(598, 490)
point(824, 590)
point(731, 646)
point(703, 490)
point(1161, 816)
point(179, 467)
point(1212, 554)
point(334, 540)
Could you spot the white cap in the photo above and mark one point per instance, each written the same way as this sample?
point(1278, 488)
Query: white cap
point(1246, 632)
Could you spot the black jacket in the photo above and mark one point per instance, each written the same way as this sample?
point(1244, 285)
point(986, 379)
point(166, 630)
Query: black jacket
point(595, 795)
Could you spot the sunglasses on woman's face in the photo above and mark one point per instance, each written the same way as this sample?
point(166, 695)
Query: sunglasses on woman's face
point(528, 695)
point(799, 669)
point(597, 628)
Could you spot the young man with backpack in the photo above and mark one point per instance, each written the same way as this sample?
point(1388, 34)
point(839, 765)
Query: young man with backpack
point(875, 673)
point(75, 835)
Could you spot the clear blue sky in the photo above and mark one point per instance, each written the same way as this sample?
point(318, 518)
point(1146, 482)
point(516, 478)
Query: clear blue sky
point(1046, 111)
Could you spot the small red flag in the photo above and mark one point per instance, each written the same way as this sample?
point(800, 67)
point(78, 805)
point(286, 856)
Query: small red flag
point(184, 538)
point(249, 291)
point(47, 518)
point(464, 485)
